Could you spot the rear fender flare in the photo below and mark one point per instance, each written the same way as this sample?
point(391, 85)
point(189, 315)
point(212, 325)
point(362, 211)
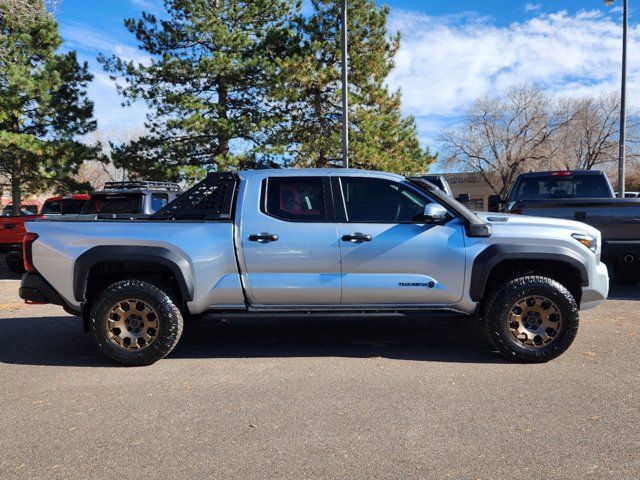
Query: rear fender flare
point(177, 264)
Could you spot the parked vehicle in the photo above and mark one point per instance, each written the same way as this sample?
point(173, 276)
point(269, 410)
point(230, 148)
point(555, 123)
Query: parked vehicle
point(68, 205)
point(347, 242)
point(7, 210)
point(439, 181)
point(12, 229)
point(130, 198)
point(585, 196)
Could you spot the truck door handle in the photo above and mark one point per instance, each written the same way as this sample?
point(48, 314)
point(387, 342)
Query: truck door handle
point(356, 237)
point(263, 237)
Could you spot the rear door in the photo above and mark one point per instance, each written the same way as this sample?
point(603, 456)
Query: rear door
point(289, 241)
point(389, 256)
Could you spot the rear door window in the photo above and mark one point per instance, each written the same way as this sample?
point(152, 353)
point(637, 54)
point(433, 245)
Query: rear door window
point(296, 199)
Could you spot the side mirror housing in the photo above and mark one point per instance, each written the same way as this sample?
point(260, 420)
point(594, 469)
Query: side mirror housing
point(494, 203)
point(434, 213)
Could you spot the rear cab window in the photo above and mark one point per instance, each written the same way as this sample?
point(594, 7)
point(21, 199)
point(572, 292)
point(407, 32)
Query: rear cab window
point(562, 186)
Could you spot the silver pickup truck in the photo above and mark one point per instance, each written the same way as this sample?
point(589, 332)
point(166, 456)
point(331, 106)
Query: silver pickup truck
point(307, 242)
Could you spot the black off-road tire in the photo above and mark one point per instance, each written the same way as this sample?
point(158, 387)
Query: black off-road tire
point(497, 308)
point(14, 263)
point(169, 316)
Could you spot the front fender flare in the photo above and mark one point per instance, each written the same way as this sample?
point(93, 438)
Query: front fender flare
point(494, 254)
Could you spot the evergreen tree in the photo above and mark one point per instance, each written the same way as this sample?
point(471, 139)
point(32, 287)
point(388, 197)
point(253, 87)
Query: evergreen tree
point(211, 61)
point(43, 104)
point(309, 88)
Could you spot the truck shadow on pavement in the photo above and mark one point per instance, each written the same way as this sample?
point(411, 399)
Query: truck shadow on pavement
point(60, 341)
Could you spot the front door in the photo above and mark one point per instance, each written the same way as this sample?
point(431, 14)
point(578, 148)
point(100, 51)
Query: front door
point(390, 257)
point(290, 246)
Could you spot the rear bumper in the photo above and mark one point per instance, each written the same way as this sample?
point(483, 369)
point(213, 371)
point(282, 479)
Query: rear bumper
point(35, 289)
point(597, 290)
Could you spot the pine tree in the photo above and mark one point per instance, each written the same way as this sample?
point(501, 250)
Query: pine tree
point(211, 61)
point(309, 88)
point(43, 104)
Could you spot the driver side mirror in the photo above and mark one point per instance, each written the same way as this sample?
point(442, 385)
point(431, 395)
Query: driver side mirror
point(434, 213)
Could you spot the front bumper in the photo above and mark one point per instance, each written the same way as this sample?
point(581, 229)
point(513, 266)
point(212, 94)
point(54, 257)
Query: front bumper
point(597, 290)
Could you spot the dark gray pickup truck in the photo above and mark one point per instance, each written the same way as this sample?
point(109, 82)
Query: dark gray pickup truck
point(585, 196)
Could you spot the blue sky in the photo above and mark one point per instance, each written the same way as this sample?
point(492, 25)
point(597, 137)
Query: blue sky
point(452, 51)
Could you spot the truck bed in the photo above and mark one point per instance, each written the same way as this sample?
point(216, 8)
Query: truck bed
point(617, 219)
point(211, 258)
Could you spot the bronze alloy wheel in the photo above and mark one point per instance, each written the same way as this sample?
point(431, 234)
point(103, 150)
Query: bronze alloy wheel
point(132, 324)
point(535, 321)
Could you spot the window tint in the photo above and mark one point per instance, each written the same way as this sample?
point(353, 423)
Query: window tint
point(299, 199)
point(52, 207)
point(374, 200)
point(72, 206)
point(159, 200)
point(113, 204)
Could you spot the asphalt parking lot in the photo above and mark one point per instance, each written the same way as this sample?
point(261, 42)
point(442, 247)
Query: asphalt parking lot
point(318, 398)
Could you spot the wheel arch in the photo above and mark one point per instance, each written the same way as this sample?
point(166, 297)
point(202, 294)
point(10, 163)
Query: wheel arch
point(561, 263)
point(118, 256)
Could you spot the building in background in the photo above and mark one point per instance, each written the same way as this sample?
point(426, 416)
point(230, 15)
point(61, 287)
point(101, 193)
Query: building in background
point(472, 184)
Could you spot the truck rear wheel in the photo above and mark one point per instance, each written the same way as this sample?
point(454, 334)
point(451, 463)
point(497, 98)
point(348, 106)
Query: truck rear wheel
point(531, 319)
point(135, 322)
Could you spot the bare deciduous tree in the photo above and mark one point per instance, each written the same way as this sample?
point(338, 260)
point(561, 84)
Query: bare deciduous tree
point(501, 136)
point(96, 172)
point(591, 138)
point(525, 129)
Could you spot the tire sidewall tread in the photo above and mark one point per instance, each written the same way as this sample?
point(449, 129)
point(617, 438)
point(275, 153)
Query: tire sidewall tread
point(499, 303)
point(171, 322)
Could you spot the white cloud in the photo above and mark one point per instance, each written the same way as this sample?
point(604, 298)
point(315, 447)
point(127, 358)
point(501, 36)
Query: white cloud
point(532, 7)
point(102, 90)
point(108, 107)
point(86, 39)
point(151, 6)
point(444, 63)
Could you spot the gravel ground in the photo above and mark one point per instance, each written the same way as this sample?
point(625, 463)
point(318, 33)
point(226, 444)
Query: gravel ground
point(319, 398)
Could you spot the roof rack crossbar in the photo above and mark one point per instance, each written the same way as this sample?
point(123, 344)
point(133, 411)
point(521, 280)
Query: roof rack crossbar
point(143, 185)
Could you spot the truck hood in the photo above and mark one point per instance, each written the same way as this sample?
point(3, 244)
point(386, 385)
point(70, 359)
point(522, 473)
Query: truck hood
point(526, 220)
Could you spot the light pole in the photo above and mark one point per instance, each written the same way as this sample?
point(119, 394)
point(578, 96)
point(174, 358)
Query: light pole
point(345, 88)
point(623, 95)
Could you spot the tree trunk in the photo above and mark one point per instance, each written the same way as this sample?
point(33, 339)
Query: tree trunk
point(223, 134)
point(16, 195)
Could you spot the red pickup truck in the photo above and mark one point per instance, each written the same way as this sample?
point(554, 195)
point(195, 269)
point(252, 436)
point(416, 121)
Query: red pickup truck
point(12, 227)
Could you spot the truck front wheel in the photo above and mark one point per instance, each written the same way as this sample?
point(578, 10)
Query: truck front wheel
point(531, 319)
point(135, 322)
